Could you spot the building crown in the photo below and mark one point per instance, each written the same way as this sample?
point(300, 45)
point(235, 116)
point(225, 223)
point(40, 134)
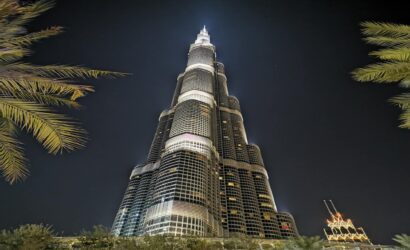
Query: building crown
point(203, 37)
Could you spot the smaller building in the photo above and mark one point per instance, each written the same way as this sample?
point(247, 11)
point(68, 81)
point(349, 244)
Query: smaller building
point(287, 225)
point(342, 230)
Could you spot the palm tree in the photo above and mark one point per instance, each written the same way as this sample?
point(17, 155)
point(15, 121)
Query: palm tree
point(305, 242)
point(27, 91)
point(403, 240)
point(395, 65)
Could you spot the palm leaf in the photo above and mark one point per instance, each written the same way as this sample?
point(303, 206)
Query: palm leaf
point(403, 240)
point(35, 84)
point(30, 11)
point(403, 100)
point(30, 38)
point(12, 160)
point(55, 131)
point(385, 29)
point(405, 83)
point(388, 41)
point(405, 119)
point(13, 22)
point(64, 71)
point(8, 8)
point(11, 55)
point(386, 72)
point(395, 54)
point(42, 98)
point(50, 100)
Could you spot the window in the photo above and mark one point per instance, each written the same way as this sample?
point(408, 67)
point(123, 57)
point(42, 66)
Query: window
point(264, 204)
point(264, 196)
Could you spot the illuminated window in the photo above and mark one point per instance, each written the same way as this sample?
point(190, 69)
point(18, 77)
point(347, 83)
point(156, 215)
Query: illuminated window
point(264, 204)
point(232, 198)
point(231, 184)
point(264, 196)
point(233, 211)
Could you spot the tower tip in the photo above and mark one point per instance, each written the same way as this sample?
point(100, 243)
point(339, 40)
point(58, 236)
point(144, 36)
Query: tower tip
point(204, 29)
point(203, 37)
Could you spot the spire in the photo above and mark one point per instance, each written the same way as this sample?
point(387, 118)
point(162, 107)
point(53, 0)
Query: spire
point(203, 37)
point(204, 30)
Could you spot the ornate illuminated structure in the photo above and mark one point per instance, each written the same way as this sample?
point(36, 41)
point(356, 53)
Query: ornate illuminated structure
point(201, 176)
point(342, 230)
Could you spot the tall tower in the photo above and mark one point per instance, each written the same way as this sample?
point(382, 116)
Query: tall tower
point(201, 176)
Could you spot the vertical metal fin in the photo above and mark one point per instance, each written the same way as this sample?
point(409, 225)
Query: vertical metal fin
point(333, 205)
point(328, 209)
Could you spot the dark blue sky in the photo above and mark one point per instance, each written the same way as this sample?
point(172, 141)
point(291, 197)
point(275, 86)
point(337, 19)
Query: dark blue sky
point(322, 135)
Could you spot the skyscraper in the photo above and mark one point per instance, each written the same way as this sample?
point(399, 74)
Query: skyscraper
point(201, 176)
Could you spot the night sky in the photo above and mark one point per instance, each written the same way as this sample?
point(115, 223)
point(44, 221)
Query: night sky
point(322, 135)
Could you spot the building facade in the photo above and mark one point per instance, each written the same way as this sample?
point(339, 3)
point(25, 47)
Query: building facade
point(201, 176)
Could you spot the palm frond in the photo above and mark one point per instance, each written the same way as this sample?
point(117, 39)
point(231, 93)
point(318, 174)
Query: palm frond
point(394, 54)
point(50, 100)
point(42, 98)
point(386, 72)
point(405, 119)
point(18, 15)
point(31, 11)
point(35, 84)
point(8, 8)
point(11, 55)
point(30, 38)
point(64, 71)
point(388, 41)
point(54, 131)
point(403, 240)
point(405, 83)
point(12, 160)
point(402, 100)
point(385, 29)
